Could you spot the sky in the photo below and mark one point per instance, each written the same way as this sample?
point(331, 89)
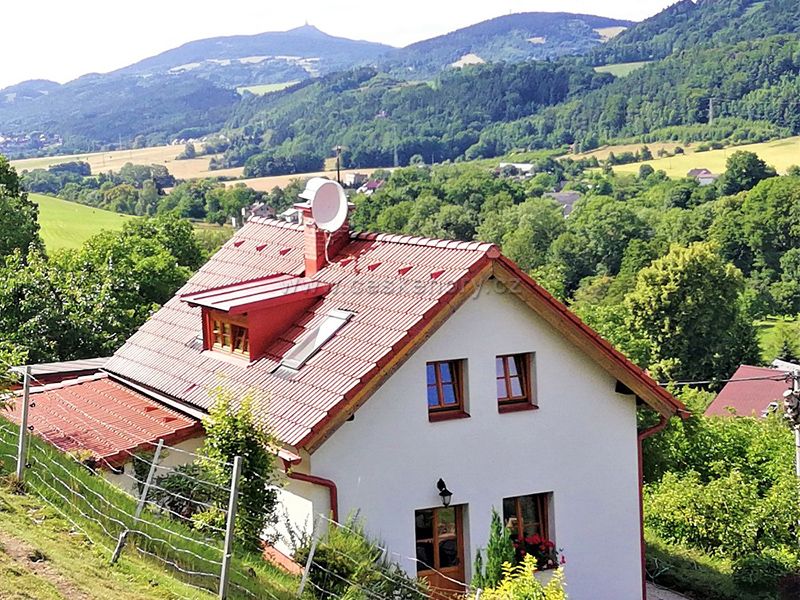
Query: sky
point(58, 40)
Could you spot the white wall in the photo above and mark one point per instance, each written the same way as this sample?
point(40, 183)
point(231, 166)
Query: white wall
point(580, 445)
point(169, 459)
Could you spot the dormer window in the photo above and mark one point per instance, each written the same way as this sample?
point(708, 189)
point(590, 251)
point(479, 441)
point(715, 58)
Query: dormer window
point(245, 318)
point(228, 336)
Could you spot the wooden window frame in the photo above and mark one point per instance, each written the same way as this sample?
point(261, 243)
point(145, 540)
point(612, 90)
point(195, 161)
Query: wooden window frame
point(238, 334)
point(443, 412)
point(543, 504)
point(435, 540)
point(526, 375)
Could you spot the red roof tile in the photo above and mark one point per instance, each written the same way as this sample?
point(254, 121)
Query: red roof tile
point(104, 417)
point(750, 397)
point(386, 280)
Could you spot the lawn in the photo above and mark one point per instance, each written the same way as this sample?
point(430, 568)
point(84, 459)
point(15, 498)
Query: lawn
point(621, 69)
point(768, 334)
point(68, 224)
point(781, 154)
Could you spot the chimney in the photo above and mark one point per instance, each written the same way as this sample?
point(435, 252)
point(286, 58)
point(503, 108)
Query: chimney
point(315, 240)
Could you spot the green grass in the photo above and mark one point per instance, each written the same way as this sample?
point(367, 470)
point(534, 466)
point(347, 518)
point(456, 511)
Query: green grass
point(68, 224)
point(621, 69)
point(264, 88)
point(98, 512)
point(767, 330)
point(781, 154)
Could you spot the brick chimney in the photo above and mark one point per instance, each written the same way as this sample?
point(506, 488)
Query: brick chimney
point(315, 240)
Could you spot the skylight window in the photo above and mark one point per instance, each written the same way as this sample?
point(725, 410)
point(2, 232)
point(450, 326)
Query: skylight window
point(311, 341)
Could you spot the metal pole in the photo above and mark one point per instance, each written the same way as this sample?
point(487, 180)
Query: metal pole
point(142, 500)
point(310, 559)
point(23, 424)
point(796, 393)
point(227, 555)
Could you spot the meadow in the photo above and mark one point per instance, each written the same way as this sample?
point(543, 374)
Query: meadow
point(68, 224)
point(112, 161)
point(621, 69)
point(265, 88)
point(781, 154)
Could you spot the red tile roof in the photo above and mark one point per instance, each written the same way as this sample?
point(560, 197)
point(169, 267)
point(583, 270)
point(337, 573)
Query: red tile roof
point(104, 417)
point(752, 396)
point(397, 286)
point(258, 294)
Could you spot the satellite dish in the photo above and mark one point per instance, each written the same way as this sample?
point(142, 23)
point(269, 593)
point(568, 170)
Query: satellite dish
point(328, 203)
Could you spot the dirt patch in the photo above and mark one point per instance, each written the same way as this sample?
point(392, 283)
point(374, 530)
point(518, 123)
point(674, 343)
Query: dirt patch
point(35, 561)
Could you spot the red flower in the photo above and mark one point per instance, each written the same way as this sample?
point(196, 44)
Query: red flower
point(550, 545)
point(563, 560)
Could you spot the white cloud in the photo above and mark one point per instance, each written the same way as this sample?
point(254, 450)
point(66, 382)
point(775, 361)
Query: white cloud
point(53, 39)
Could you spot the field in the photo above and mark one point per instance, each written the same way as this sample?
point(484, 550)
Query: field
point(621, 69)
point(68, 224)
point(768, 337)
point(266, 184)
point(781, 154)
point(264, 88)
point(602, 153)
point(113, 161)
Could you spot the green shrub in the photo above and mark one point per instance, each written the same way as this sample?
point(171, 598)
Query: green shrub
point(519, 583)
point(347, 564)
point(764, 571)
point(499, 553)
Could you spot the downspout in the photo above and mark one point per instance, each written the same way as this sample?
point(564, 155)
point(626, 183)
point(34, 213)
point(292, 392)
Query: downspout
point(643, 435)
point(333, 492)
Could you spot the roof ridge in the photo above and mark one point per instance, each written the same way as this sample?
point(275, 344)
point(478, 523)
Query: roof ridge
point(275, 223)
point(411, 240)
point(67, 383)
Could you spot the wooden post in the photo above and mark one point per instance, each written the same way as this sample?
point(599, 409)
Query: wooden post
point(224, 577)
point(22, 445)
point(310, 559)
point(142, 500)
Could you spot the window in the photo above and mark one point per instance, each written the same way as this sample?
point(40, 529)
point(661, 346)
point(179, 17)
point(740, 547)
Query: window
point(230, 337)
point(513, 374)
point(445, 387)
point(527, 516)
point(311, 341)
point(439, 540)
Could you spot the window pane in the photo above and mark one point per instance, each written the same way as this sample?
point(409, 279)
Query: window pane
point(424, 524)
point(431, 374)
point(445, 371)
point(448, 552)
point(425, 556)
point(513, 366)
point(501, 389)
point(510, 513)
point(433, 396)
point(449, 392)
point(500, 369)
point(516, 387)
point(530, 516)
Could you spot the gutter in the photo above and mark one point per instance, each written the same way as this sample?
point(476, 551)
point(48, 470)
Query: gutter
point(333, 492)
point(643, 435)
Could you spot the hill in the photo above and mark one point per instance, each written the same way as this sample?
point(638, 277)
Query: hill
point(513, 38)
point(707, 23)
point(271, 57)
point(68, 224)
point(43, 557)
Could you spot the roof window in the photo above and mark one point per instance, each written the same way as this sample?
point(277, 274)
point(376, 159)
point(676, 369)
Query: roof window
point(311, 341)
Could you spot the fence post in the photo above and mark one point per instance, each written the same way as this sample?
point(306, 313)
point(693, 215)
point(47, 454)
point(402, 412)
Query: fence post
point(478, 594)
point(142, 500)
point(23, 424)
point(307, 569)
point(227, 552)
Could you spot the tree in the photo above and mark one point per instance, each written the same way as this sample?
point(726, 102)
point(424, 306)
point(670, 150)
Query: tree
point(539, 221)
point(686, 307)
point(19, 224)
point(189, 152)
point(499, 553)
point(231, 430)
point(744, 170)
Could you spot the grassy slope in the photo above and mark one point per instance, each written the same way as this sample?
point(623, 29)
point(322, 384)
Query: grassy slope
point(68, 224)
point(264, 88)
point(768, 334)
point(779, 153)
point(73, 568)
point(621, 69)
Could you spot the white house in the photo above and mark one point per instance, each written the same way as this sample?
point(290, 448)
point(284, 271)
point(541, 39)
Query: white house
point(385, 365)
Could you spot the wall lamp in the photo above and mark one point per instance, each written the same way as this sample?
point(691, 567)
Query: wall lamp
point(445, 494)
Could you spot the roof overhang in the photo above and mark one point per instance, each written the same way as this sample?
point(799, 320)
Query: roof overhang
point(258, 294)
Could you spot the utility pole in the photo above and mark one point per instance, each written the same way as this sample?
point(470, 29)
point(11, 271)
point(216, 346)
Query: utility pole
point(711, 110)
point(338, 150)
point(22, 445)
point(227, 555)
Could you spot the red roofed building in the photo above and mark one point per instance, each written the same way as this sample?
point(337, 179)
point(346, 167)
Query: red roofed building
point(383, 364)
point(751, 392)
